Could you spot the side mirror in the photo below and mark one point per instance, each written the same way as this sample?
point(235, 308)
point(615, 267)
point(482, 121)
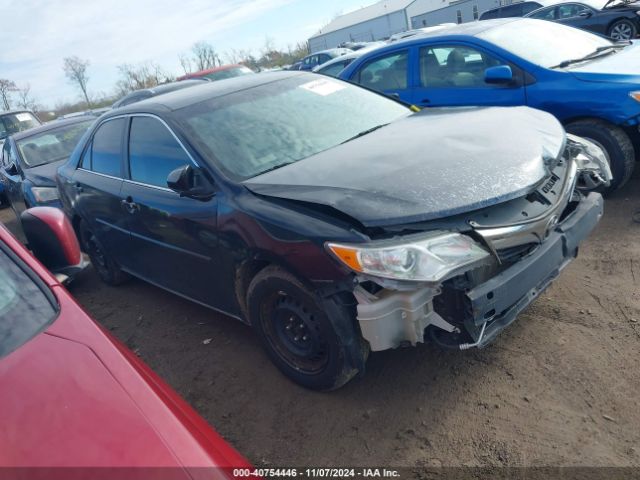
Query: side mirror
point(585, 14)
point(52, 240)
point(501, 74)
point(189, 181)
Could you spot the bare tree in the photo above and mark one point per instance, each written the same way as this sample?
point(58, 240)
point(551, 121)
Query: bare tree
point(6, 87)
point(205, 56)
point(25, 100)
point(185, 62)
point(244, 57)
point(144, 75)
point(76, 71)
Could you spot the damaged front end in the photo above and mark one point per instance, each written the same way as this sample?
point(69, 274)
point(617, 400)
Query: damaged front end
point(463, 279)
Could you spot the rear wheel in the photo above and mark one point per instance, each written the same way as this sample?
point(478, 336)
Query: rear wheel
point(622, 30)
point(107, 269)
point(299, 336)
point(616, 144)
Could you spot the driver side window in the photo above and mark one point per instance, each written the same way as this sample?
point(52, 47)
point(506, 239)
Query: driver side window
point(385, 73)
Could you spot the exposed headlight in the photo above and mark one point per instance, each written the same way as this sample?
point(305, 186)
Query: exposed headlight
point(592, 162)
point(635, 95)
point(45, 194)
point(430, 259)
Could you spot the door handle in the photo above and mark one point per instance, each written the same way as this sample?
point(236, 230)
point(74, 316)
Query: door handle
point(129, 205)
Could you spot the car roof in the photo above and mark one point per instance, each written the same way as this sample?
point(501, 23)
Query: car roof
point(332, 50)
point(350, 55)
point(202, 73)
point(544, 3)
point(596, 4)
point(208, 90)
point(51, 126)
point(470, 29)
point(13, 112)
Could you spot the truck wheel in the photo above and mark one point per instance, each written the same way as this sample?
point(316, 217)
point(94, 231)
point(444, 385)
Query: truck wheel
point(299, 336)
point(616, 144)
point(622, 30)
point(107, 269)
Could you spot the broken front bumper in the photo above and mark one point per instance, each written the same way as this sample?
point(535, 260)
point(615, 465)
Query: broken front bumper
point(391, 318)
point(498, 301)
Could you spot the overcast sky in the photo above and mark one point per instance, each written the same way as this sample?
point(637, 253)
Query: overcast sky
point(37, 34)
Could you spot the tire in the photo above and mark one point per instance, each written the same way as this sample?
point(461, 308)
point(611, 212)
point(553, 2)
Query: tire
point(617, 146)
point(316, 348)
point(622, 30)
point(107, 269)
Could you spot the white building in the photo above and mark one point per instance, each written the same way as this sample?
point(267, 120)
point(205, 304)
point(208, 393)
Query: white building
point(375, 22)
point(384, 18)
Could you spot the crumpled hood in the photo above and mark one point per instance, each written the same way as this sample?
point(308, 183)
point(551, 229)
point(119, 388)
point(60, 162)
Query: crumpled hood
point(621, 67)
point(430, 165)
point(44, 175)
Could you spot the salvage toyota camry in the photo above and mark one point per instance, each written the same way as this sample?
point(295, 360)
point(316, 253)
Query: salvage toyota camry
point(334, 220)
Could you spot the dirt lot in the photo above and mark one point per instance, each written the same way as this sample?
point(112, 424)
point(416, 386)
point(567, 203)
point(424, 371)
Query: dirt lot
point(560, 387)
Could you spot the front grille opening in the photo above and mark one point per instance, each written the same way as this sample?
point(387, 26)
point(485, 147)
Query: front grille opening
point(513, 254)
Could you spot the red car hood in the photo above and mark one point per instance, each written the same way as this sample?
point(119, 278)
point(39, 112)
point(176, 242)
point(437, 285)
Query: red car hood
point(70, 411)
point(73, 396)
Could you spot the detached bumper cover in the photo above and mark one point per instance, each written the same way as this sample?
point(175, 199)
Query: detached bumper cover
point(499, 300)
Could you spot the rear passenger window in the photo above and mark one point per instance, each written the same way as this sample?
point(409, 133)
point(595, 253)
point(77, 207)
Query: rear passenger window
point(386, 73)
point(153, 152)
point(106, 149)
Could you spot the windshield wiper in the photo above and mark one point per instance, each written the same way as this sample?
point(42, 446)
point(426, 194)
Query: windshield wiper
point(275, 167)
point(365, 132)
point(598, 52)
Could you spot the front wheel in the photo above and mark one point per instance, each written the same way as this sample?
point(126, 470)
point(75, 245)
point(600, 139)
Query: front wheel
point(616, 145)
point(106, 267)
point(298, 334)
point(622, 30)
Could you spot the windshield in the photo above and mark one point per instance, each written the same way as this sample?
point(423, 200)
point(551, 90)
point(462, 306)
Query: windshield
point(52, 145)
point(16, 122)
point(544, 43)
point(262, 128)
point(24, 308)
point(229, 73)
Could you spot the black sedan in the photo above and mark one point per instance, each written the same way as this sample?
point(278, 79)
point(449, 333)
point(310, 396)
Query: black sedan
point(618, 19)
point(30, 160)
point(332, 219)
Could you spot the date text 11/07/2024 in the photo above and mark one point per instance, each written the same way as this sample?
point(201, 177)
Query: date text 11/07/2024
point(316, 472)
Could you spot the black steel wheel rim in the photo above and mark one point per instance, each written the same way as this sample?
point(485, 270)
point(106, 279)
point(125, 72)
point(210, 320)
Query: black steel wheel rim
point(98, 257)
point(292, 332)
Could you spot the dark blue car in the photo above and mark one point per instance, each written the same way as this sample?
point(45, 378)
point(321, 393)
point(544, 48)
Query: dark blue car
point(318, 58)
point(591, 84)
point(30, 158)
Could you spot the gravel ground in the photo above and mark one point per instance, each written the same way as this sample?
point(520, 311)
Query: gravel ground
point(559, 388)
